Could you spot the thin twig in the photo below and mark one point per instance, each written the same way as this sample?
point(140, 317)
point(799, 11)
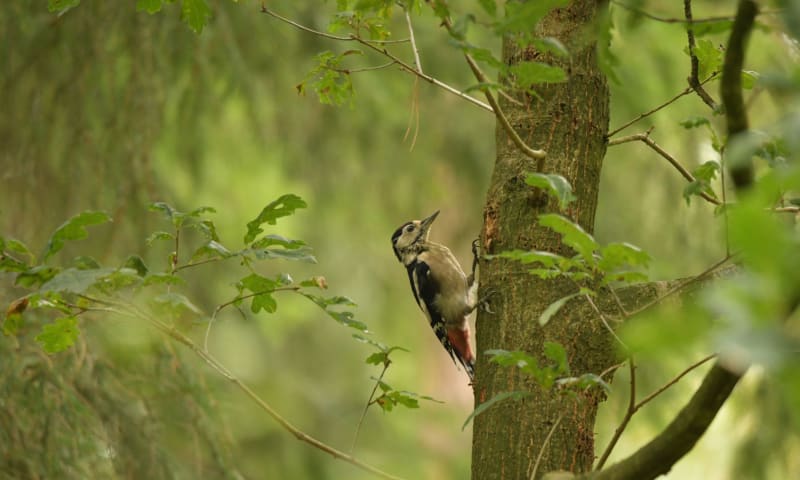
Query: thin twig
point(501, 117)
point(410, 69)
point(627, 418)
point(645, 138)
point(673, 381)
point(239, 299)
point(685, 92)
point(649, 15)
point(365, 69)
point(544, 445)
point(340, 38)
point(376, 45)
point(369, 402)
point(413, 41)
point(693, 79)
point(300, 435)
point(681, 286)
point(603, 320)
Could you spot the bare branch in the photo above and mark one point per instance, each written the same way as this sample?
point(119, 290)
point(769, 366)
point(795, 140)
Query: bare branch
point(414, 49)
point(627, 418)
point(544, 446)
point(681, 286)
point(685, 92)
point(644, 13)
point(299, 434)
point(369, 402)
point(659, 455)
point(672, 382)
point(645, 138)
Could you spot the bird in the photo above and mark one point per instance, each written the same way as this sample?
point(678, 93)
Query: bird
point(441, 288)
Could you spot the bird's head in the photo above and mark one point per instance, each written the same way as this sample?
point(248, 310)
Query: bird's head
point(411, 237)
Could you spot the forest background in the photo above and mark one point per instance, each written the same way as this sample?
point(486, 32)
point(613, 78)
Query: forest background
point(108, 108)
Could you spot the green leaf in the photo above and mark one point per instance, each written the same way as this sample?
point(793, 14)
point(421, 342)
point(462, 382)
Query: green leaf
point(73, 229)
point(35, 276)
point(703, 174)
point(556, 352)
point(555, 185)
point(546, 259)
point(572, 235)
point(489, 6)
point(75, 281)
point(300, 255)
point(585, 381)
point(553, 308)
point(749, 79)
point(12, 323)
point(176, 303)
point(695, 121)
point(262, 287)
point(709, 57)
point(162, 279)
point(149, 6)
point(346, 318)
point(136, 263)
point(195, 13)
point(212, 249)
point(523, 16)
point(271, 240)
point(517, 395)
point(550, 45)
point(61, 5)
point(85, 262)
point(282, 207)
point(59, 335)
point(617, 255)
point(527, 74)
point(15, 246)
point(159, 236)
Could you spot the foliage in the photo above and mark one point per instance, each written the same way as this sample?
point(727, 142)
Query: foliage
point(136, 292)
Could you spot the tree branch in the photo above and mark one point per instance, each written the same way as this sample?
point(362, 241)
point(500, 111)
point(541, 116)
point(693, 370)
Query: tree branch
point(538, 155)
point(731, 87)
point(657, 457)
point(693, 79)
point(686, 91)
point(645, 138)
point(374, 46)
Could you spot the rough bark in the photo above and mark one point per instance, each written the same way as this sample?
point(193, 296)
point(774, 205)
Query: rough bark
point(569, 121)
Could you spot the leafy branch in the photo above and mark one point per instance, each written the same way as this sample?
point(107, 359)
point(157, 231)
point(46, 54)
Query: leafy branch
point(89, 288)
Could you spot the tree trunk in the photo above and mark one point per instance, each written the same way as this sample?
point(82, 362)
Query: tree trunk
point(569, 121)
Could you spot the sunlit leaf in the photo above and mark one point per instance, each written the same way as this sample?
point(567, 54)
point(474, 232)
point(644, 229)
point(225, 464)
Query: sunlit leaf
point(73, 229)
point(555, 185)
point(572, 235)
point(176, 303)
point(553, 308)
point(61, 5)
point(59, 335)
point(282, 207)
point(527, 74)
point(149, 6)
point(195, 13)
point(75, 281)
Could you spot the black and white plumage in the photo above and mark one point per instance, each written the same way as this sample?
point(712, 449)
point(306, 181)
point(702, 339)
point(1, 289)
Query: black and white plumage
point(442, 290)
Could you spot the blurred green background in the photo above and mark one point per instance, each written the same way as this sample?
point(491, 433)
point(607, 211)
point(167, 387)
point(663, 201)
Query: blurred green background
point(110, 109)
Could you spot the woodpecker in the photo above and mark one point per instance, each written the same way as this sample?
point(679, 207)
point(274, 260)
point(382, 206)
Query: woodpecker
point(442, 290)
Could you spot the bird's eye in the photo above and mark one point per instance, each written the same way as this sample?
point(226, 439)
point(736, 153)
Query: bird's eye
point(410, 228)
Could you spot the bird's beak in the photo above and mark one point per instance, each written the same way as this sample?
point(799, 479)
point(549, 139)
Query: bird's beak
point(426, 223)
